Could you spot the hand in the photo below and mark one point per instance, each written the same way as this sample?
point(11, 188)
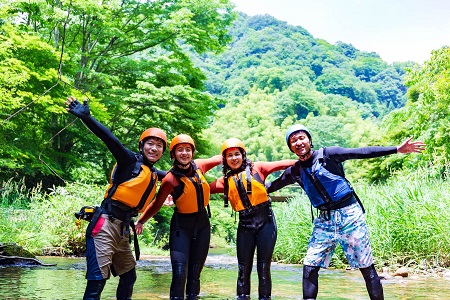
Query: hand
point(139, 227)
point(82, 111)
point(408, 146)
point(168, 201)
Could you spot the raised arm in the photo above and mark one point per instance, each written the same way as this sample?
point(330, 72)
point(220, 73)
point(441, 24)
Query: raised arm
point(82, 111)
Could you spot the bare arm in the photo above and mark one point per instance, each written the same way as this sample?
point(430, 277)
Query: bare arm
point(266, 168)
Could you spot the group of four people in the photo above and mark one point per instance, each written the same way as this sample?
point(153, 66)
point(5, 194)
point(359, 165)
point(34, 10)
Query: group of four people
point(133, 187)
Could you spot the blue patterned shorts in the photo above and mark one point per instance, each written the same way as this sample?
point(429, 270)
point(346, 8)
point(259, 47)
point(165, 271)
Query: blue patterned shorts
point(346, 226)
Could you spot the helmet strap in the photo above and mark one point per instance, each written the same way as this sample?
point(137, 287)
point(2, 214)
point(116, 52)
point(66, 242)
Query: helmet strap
point(305, 156)
point(179, 164)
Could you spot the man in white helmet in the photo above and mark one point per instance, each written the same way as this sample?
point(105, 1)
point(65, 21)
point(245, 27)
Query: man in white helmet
point(341, 219)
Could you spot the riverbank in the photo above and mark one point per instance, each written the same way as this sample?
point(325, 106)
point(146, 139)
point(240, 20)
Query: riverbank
point(65, 281)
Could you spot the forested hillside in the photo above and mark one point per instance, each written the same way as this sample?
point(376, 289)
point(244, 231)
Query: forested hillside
point(273, 75)
point(201, 68)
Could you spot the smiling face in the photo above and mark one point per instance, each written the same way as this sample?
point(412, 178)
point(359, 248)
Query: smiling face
point(183, 153)
point(300, 144)
point(234, 158)
point(153, 149)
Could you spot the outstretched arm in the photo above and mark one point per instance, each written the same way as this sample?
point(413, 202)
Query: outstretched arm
point(82, 111)
point(409, 146)
point(206, 164)
point(285, 179)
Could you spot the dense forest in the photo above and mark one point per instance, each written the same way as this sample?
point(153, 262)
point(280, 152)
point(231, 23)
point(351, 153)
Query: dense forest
point(201, 68)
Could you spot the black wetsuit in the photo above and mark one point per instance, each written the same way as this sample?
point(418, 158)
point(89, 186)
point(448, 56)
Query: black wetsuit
point(126, 161)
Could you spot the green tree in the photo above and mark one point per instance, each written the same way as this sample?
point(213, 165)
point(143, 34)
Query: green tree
point(131, 60)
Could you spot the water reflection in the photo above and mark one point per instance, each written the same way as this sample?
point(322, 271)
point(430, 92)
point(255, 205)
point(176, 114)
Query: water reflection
point(66, 281)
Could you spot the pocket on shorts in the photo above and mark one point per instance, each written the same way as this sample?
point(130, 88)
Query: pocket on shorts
point(98, 226)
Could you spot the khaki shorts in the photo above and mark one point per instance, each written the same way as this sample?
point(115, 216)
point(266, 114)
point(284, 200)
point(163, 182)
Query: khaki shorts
point(112, 247)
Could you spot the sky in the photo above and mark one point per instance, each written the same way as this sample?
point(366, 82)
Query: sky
point(398, 30)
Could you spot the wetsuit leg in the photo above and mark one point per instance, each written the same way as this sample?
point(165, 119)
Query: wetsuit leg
point(179, 243)
point(310, 282)
point(373, 283)
point(245, 244)
point(126, 283)
point(193, 281)
point(94, 289)
point(265, 244)
point(197, 255)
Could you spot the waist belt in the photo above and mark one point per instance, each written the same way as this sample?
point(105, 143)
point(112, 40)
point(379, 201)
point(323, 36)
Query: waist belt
point(253, 209)
point(346, 201)
point(118, 210)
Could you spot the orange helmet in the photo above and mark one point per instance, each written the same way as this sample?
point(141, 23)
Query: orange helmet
point(181, 139)
point(153, 132)
point(232, 143)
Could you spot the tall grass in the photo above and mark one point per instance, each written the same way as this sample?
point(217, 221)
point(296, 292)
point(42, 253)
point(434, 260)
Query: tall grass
point(408, 220)
point(407, 217)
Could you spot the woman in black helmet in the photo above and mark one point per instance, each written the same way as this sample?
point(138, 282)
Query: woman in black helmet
point(132, 186)
point(190, 229)
point(341, 220)
point(243, 185)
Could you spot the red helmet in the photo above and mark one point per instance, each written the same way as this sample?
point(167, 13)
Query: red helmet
point(154, 132)
point(181, 139)
point(232, 143)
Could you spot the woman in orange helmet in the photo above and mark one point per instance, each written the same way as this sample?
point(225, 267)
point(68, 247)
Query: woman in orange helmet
point(133, 185)
point(190, 229)
point(243, 186)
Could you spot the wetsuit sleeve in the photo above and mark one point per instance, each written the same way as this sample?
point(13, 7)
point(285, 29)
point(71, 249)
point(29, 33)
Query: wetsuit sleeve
point(285, 179)
point(266, 168)
point(120, 153)
point(207, 164)
point(161, 174)
point(217, 186)
point(165, 189)
point(342, 154)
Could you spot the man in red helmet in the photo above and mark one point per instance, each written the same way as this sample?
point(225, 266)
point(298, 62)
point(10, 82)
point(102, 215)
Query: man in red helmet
point(132, 186)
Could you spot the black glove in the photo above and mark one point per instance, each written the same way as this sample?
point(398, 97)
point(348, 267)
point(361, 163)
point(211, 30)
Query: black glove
point(79, 110)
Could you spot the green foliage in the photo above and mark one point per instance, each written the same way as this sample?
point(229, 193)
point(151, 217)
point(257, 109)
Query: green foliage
point(407, 219)
point(129, 59)
point(254, 127)
point(424, 117)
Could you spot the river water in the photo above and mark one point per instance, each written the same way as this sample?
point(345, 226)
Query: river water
point(66, 281)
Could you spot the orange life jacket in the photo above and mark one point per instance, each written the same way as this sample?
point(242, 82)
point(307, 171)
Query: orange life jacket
point(193, 193)
point(244, 193)
point(138, 191)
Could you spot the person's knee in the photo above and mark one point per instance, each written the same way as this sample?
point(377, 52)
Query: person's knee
point(94, 289)
point(310, 272)
point(310, 282)
point(128, 278)
point(373, 283)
